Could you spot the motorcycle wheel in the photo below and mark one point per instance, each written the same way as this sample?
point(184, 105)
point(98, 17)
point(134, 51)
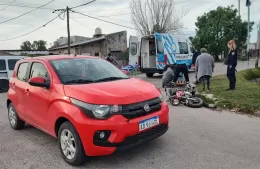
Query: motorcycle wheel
point(174, 102)
point(198, 103)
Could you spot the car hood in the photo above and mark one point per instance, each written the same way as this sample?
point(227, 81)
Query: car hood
point(125, 91)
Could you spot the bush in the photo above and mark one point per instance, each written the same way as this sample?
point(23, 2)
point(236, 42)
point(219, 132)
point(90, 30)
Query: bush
point(251, 74)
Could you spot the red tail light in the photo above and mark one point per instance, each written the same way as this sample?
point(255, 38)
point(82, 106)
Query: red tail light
point(165, 59)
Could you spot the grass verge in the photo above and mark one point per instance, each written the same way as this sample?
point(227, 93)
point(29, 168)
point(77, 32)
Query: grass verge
point(245, 99)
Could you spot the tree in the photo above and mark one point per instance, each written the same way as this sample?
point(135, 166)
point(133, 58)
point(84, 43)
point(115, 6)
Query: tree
point(36, 45)
point(26, 45)
point(151, 16)
point(39, 45)
point(217, 27)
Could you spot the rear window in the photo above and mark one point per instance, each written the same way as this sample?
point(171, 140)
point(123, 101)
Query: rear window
point(21, 73)
point(184, 49)
point(160, 47)
point(133, 49)
point(11, 63)
point(2, 64)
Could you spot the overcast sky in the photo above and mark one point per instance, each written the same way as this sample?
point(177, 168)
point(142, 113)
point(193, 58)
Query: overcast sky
point(116, 11)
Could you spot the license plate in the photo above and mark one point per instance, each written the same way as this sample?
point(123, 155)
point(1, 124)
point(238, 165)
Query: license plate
point(148, 123)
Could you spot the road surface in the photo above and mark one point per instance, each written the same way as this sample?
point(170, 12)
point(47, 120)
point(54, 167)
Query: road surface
point(196, 139)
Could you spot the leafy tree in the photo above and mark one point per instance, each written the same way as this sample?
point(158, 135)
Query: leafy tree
point(151, 16)
point(36, 45)
point(26, 45)
point(217, 27)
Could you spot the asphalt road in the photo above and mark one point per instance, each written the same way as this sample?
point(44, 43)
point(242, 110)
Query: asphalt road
point(196, 139)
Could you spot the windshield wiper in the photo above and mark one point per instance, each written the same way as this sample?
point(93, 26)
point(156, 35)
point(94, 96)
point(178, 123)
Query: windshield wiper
point(110, 79)
point(79, 81)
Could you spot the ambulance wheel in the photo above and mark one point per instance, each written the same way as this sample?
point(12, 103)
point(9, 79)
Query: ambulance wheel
point(149, 74)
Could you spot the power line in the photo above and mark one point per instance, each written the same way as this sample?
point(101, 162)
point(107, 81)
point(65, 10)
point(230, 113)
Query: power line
point(105, 20)
point(81, 24)
point(107, 15)
point(25, 6)
point(2, 40)
point(83, 4)
point(26, 12)
point(7, 5)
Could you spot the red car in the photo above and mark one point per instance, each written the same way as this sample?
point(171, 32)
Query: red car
point(92, 107)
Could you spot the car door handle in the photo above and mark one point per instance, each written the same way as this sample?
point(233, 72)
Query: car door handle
point(27, 91)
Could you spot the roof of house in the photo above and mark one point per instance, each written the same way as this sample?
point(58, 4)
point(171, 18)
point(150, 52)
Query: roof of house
point(103, 37)
point(58, 57)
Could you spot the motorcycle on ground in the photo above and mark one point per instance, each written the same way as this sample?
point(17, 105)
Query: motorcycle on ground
point(184, 96)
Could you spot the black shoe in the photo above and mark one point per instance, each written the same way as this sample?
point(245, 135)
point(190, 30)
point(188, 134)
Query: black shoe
point(209, 89)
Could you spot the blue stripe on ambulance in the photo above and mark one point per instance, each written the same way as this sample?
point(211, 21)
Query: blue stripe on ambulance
point(167, 46)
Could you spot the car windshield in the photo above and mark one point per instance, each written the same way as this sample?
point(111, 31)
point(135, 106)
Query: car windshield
point(86, 70)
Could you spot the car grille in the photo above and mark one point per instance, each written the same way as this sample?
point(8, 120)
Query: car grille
point(143, 137)
point(137, 109)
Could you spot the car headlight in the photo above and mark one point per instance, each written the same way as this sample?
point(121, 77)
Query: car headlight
point(97, 111)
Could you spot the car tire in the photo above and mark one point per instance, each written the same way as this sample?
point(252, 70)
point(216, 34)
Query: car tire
point(149, 74)
point(15, 122)
point(70, 144)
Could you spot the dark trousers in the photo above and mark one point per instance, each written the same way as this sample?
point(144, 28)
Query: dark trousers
point(231, 74)
point(205, 80)
point(181, 69)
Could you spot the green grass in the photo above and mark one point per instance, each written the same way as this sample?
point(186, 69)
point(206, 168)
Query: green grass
point(246, 97)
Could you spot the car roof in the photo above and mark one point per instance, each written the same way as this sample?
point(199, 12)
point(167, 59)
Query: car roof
point(58, 57)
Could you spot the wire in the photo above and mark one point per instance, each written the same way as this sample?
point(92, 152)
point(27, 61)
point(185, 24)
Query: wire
point(26, 13)
point(2, 40)
point(107, 15)
point(25, 6)
point(83, 4)
point(81, 24)
point(7, 5)
point(105, 21)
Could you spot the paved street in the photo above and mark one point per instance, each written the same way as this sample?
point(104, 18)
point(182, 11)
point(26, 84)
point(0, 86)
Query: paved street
point(197, 139)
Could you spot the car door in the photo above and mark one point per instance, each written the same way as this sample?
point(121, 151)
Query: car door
point(37, 98)
point(18, 84)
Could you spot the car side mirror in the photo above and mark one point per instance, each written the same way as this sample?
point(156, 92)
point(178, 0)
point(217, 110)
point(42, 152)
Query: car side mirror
point(39, 82)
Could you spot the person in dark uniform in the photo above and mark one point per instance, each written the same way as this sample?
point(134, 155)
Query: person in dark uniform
point(231, 65)
point(181, 68)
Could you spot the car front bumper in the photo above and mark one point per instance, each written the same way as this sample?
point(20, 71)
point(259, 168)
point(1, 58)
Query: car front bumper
point(124, 133)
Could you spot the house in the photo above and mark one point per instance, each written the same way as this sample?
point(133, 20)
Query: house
point(99, 45)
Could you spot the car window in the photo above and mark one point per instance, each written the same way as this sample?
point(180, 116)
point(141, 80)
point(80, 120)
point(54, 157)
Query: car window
point(11, 63)
point(39, 70)
point(2, 64)
point(21, 72)
point(133, 48)
point(160, 47)
point(184, 49)
point(87, 70)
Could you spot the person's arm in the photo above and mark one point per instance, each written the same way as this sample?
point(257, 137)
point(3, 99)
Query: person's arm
point(235, 58)
point(197, 64)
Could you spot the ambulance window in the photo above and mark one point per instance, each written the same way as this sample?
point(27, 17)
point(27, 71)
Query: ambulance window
point(184, 49)
point(159, 44)
point(133, 48)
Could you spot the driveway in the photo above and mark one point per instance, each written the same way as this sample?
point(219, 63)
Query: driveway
point(196, 139)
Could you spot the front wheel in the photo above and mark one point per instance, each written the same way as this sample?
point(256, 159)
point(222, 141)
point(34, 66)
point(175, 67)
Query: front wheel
point(195, 102)
point(149, 74)
point(15, 122)
point(70, 145)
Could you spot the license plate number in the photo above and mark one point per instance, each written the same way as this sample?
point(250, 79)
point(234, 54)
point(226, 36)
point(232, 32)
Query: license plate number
point(148, 123)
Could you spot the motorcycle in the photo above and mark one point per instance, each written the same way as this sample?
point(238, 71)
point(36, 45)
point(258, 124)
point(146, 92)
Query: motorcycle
point(186, 97)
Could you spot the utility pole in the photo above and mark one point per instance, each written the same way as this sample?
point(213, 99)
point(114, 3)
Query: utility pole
point(68, 28)
point(248, 4)
point(67, 10)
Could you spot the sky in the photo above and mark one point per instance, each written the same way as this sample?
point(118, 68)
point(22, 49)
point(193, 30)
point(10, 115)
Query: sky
point(116, 11)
